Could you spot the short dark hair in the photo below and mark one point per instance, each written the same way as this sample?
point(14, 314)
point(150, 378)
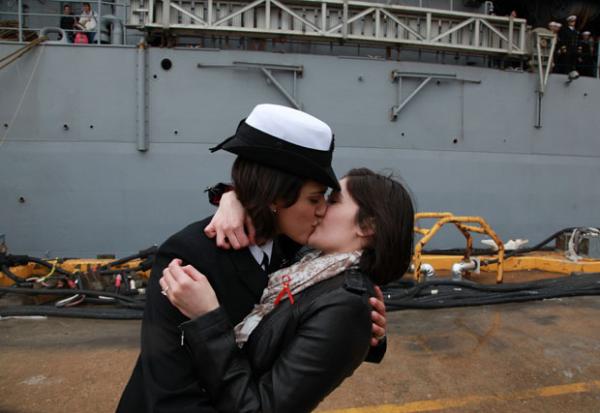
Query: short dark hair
point(385, 205)
point(66, 5)
point(87, 4)
point(258, 186)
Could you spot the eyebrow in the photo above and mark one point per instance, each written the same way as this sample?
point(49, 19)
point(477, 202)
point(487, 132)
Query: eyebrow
point(321, 192)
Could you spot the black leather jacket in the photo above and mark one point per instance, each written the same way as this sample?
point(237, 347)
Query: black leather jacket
point(297, 355)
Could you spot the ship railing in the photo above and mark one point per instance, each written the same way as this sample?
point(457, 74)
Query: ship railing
point(18, 24)
point(343, 20)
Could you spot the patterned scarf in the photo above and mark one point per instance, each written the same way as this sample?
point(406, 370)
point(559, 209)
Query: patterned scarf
point(313, 268)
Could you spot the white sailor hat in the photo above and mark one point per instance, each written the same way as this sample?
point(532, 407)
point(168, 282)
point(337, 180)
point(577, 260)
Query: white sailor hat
point(285, 139)
point(586, 33)
point(571, 18)
point(554, 24)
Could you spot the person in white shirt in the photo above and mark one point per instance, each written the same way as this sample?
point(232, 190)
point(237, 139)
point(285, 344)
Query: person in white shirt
point(88, 21)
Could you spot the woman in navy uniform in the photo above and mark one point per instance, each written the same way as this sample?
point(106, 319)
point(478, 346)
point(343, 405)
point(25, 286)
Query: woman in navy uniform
point(292, 151)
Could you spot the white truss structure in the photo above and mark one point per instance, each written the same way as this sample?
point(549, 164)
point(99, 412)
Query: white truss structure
point(337, 20)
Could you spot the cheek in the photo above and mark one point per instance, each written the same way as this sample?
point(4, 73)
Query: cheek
point(297, 222)
point(340, 223)
point(334, 218)
point(302, 214)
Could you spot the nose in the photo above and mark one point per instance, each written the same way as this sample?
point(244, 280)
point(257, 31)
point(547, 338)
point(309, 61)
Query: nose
point(321, 209)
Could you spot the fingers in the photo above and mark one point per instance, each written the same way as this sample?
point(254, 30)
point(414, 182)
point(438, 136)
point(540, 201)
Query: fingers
point(174, 274)
point(235, 237)
point(378, 320)
point(222, 240)
point(378, 317)
point(164, 283)
point(228, 223)
point(193, 273)
point(377, 305)
point(379, 296)
point(169, 282)
point(177, 279)
point(251, 230)
point(210, 230)
point(377, 332)
point(241, 238)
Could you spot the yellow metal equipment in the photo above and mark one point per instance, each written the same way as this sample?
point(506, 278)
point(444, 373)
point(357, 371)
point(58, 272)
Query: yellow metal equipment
point(85, 265)
point(463, 224)
point(545, 261)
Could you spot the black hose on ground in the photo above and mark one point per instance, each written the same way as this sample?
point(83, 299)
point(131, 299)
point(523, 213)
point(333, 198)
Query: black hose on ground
point(73, 312)
point(447, 293)
point(99, 301)
point(126, 300)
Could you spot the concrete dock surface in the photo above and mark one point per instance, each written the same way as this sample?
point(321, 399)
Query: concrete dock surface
point(541, 356)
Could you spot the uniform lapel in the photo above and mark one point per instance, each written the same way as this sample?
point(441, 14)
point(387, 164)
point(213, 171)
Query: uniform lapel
point(249, 272)
point(276, 261)
point(284, 253)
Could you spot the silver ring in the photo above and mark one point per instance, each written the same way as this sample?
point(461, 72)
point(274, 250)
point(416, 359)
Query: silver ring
point(164, 292)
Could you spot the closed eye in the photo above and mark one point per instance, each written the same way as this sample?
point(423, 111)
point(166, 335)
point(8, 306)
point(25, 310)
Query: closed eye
point(316, 200)
point(333, 198)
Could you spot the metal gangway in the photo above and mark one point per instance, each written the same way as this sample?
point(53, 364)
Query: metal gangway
point(340, 20)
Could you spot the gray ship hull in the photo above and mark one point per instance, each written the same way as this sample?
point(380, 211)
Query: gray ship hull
point(73, 181)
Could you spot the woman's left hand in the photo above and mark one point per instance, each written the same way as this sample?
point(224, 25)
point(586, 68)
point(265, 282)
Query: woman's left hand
point(188, 290)
point(378, 317)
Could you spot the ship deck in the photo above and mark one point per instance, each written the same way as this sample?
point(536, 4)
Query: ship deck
point(539, 356)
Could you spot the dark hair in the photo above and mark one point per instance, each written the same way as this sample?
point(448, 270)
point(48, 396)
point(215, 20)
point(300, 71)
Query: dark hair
point(258, 186)
point(66, 5)
point(384, 205)
point(87, 4)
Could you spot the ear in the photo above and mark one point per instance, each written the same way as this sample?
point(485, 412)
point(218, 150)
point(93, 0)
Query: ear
point(275, 206)
point(367, 229)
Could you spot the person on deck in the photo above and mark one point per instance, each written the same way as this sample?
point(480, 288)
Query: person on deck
point(570, 38)
point(67, 22)
point(585, 55)
point(88, 21)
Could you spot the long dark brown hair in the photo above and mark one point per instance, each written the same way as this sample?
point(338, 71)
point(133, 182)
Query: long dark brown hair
point(386, 207)
point(257, 187)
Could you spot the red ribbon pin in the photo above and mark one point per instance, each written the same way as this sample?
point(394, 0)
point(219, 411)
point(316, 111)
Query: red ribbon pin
point(285, 290)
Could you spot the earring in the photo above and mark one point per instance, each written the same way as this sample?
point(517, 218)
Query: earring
point(274, 210)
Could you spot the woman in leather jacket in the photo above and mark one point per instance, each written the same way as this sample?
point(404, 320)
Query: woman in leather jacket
point(312, 329)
